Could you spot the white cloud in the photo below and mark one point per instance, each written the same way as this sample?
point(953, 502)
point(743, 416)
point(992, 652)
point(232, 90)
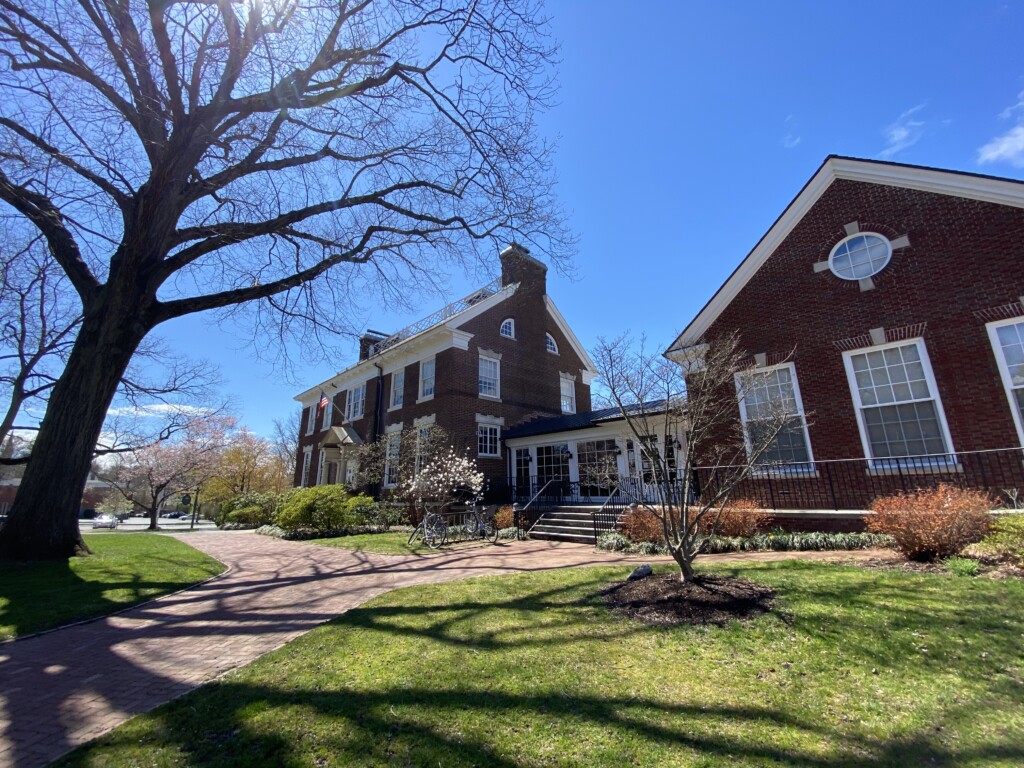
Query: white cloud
point(903, 134)
point(157, 410)
point(792, 137)
point(1008, 147)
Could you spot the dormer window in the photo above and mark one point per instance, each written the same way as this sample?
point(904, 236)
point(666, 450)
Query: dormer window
point(549, 342)
point(508, 328)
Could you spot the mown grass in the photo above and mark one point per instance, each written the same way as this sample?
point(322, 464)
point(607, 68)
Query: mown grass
point(124, 569)
point(392, 543)
point(856, 667)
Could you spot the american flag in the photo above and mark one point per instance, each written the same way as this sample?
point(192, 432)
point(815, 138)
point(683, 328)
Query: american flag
point(323, 399)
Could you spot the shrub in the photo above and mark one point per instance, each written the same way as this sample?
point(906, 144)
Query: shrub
point(639, 524)
point(505, 517)
point(250, 516)
point(962, 566)
point(360, 510)
point(1006, 539)
point(613, 541)
point(932, 522)
point(776, 540)
point(385, 515)
point(510, 533)
point(323, 508)
point(250, 509)
point(739, 517)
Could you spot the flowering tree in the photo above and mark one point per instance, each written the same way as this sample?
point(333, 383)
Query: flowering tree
point(445, 479)
point(151, 475)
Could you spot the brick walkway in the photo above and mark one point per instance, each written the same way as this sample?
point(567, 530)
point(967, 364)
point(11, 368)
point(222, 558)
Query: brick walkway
point(64, 688)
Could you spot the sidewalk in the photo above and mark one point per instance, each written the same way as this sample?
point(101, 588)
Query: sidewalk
point(61, 689)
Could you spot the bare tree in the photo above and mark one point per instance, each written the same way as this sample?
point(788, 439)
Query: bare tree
point(181, 157)
point(285, 441)
point(690, 407)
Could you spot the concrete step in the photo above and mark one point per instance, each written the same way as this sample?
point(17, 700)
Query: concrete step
point(555, 528)
point(570, 521)
point(577, 538)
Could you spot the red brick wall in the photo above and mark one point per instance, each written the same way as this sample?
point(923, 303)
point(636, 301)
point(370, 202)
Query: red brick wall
point(965, 257)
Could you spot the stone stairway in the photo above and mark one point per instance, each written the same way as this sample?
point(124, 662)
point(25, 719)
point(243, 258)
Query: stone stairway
point(574, 524)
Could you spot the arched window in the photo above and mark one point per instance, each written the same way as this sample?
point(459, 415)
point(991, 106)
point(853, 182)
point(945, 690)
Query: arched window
point(508, 328)
point(550, 343)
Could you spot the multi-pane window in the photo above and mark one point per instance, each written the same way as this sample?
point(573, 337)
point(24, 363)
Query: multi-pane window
point(310, 419)
point(328, 413)
point(397, 388)
point(896, 402)
point(487, 440)
point(508, 328)
point(523, 488)
point(391, 459)
point(568, 395)
point(859, 256)
point(549, 343)
point(320, 469)
point(1008, 342)
point(427, 378)
point(771, 404)
point(355, 402)
point(422, 448)
point(552, 464)
point(489, 380)
point(598, 466)
point(307, 459)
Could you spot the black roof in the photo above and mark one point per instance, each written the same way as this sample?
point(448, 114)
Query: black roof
point(571, 421)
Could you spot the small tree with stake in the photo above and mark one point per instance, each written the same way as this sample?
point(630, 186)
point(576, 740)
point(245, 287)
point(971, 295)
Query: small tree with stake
point(698, 394)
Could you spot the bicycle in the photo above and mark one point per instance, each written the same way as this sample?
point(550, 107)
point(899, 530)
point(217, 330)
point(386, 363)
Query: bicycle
point(482, 525)
point(432, 529)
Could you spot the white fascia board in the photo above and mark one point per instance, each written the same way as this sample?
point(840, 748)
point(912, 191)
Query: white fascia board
point(970, 186)
point(587, 377)
point(574, 342)
point(422, 345)
point(598, 432)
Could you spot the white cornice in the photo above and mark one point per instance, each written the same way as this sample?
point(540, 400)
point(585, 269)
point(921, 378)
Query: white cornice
point(970, 186)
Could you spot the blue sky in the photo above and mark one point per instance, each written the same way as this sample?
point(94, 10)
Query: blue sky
point(684, 129)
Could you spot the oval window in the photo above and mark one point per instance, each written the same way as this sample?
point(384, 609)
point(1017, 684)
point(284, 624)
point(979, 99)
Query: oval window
point(859, 256)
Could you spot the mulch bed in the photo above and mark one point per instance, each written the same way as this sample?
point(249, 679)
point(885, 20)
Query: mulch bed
point(663, 599)
point(895, 562)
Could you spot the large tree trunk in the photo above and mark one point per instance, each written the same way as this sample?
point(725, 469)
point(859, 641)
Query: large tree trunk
point(43, 523)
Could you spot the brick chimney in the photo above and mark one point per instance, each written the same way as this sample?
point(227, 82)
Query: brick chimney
point(367, 340)
point(518, 266)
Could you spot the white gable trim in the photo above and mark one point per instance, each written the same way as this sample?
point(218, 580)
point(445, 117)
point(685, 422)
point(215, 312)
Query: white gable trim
point(988, 189)
point(574, 342)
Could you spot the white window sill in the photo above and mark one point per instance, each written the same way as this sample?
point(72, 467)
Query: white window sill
point(425, 399)
point(488, 455)
point(492, 398)
point(891, 467)
point(396, 407)
point(783, 473)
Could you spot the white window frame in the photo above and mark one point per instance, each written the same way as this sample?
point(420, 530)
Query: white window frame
point(854, 236)
point(562, 381)
point(320, 469)
point(350, 402)
point(511, 323)
point(423, 396)
point(392, 457)
point(307, 460)
point(550, 344)
point(1004, 371)
point(887, 464)
point(480, 430)
point(497, 377)
point(311, 420)
point(397, 389)
point(328, 413)
point(805, 467)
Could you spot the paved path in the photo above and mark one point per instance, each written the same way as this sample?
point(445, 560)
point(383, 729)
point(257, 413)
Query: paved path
point(61, 689)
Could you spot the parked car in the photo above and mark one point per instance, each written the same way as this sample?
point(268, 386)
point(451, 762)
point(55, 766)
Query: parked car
point(104, 521)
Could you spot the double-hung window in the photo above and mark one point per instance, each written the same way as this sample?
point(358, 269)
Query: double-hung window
point(489, 384)
point(423, 448)
point(568, 394)
point(898, 408)
point(398, 388)
point(773, 417)
point(310, 419)
point(487, 440)
point(307, 459)
point(1008, 343)
point(392, 459)
point(328, 413)
point(426, 378)
point(355, 402)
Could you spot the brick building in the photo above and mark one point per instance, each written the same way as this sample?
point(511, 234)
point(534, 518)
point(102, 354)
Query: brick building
point(886, 305)
point(500, 356)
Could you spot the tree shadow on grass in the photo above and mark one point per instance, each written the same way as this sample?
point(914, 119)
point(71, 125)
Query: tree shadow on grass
point(236, 724)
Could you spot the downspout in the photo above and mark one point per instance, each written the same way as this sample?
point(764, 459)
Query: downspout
point(378, 416)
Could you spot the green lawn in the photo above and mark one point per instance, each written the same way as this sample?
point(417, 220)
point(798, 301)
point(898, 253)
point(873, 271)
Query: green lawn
point(126, 568)
point(857, 667)
point(396, 543)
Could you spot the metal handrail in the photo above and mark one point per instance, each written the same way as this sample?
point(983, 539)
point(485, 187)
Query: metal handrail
point(519, 510)
point(593, 515)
